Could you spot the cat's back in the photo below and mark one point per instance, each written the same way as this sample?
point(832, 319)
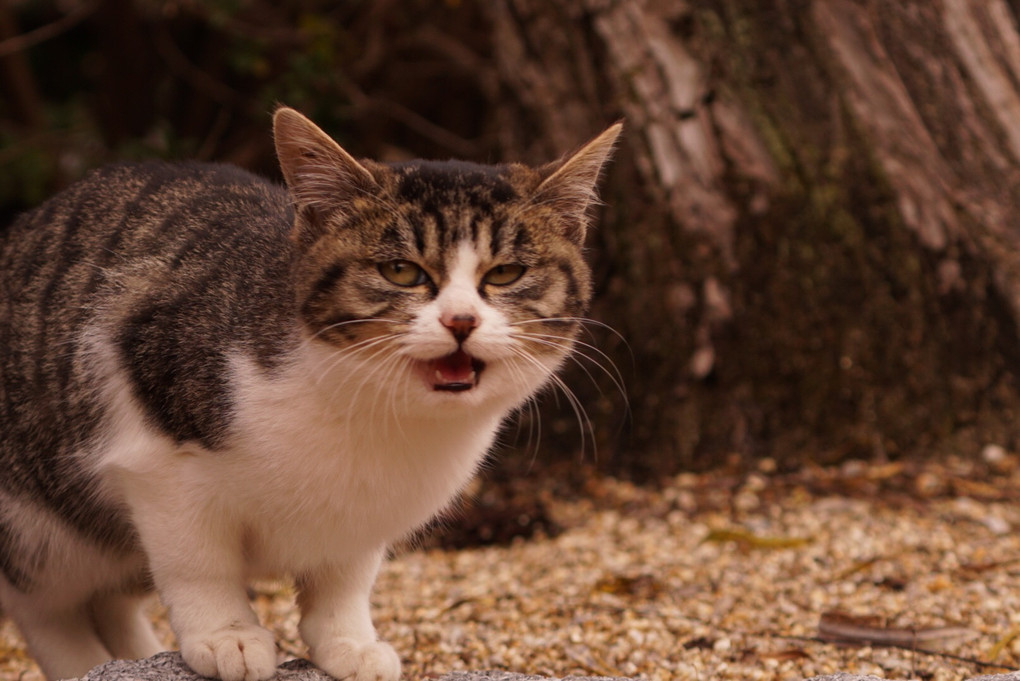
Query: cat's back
point(141, 209)
point(162, 260)
point(144, 226)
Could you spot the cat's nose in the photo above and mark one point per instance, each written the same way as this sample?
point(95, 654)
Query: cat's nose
point(460, 325)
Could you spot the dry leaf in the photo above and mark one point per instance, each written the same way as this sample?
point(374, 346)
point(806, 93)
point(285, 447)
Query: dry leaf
point(884, 471)
point(1003, 643)
point(747, 540)
point(977, 489)
point(643, 586)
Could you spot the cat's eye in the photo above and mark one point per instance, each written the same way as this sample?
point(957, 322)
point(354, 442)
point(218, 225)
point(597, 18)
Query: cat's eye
point(503, 275)
point(403, 273)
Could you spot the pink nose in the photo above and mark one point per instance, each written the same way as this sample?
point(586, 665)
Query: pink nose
point(460, 325)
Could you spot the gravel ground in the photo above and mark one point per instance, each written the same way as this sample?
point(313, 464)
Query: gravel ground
point(715, 576)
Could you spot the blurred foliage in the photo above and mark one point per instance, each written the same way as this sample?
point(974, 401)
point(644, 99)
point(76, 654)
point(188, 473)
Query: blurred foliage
point(89, 81)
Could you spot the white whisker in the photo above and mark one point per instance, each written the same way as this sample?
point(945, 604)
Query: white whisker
point(584, 322)
point(337, 325)
point(395, 362)
point(558, 342)
point(402, 363)
point(534, 416)
point(374, 369)
point(587, 428)
point(339, 354)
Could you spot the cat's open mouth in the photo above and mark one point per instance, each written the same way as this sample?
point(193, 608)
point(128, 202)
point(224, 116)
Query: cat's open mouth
point(455, 372)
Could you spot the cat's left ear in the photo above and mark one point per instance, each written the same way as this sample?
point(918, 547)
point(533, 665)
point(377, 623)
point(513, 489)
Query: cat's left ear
point(318, 172)
point(571, 185)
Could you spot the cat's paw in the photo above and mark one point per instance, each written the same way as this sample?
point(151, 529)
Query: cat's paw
point(243, 652)
point(350, 660)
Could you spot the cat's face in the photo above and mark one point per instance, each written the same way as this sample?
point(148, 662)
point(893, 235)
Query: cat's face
point(439, 284)
point(447, 284)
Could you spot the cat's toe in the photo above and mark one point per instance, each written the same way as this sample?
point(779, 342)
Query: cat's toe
point(240, 653)
point(345, 658)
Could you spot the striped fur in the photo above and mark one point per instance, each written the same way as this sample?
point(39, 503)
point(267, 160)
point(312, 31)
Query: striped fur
point(206, 377)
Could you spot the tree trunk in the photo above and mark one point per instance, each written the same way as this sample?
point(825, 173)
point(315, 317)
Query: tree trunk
point(810, 242)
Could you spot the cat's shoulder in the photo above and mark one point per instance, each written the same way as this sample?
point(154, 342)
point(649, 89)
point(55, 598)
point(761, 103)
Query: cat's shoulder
point(159, 186)
point(161, 171)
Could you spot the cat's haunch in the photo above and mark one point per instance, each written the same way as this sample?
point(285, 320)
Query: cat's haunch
point(206, 377)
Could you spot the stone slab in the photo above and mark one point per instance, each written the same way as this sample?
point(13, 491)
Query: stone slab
point(170, 667)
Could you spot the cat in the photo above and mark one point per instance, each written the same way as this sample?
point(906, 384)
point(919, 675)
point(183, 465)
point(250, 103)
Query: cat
point(206, 377)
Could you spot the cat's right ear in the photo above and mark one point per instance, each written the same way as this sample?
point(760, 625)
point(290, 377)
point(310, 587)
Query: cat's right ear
point(318, 172)
point(570, 186)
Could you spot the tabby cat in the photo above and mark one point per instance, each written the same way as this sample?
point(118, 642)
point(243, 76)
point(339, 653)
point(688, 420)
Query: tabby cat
point(205, 378)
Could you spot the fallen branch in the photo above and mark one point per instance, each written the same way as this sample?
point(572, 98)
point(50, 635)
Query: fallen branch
point(838, 627)
point(895, 642)
point(982, 664)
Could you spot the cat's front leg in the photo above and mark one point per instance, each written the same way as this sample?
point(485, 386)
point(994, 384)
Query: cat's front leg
point(219, 635)
point(336, 622)
point(197, 563)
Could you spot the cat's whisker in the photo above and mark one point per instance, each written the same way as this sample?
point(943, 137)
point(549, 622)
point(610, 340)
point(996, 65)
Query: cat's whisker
point(534, 431)
point(367, 356)
point(534, 415)
point(339, 353)
point(402, 363)
point(574, 358)
point(613, 372)
point(558, 342)
point(584, 422)
point(384, 362)
point(337, 356)
point(567, 344)
point(375, 375)
point(337, 325)
point(584, 322)
point(382, 374)
point(375, 351)
point(398, 377)
point(386, 401)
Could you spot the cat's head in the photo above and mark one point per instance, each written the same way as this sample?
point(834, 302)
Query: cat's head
point(447, 283)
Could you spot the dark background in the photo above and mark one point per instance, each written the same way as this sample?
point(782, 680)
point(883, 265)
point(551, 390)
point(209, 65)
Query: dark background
point(809, 245)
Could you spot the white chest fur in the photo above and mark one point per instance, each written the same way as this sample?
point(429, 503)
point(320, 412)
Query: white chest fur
point(315, 472)
point(319, 471)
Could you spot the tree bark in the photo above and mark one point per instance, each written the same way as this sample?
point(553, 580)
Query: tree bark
point(811, 241)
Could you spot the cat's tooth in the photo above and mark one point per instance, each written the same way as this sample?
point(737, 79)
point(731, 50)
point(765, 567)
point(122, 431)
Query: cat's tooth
point(471, 378)
point(439, 376)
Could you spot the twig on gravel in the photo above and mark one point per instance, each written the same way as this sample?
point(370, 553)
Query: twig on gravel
point(983, 664)
point(839, 627)
point(888, 642)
